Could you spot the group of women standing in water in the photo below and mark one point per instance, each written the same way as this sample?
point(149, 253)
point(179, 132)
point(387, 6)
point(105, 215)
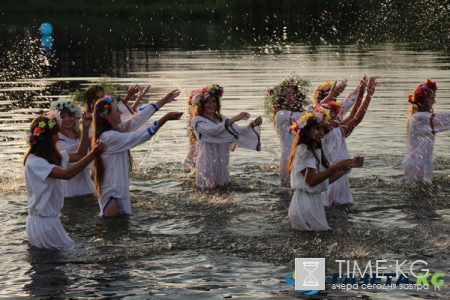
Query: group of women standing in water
point(315, 159)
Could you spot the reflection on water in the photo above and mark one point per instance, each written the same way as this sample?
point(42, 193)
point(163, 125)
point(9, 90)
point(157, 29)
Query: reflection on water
point(234, 242)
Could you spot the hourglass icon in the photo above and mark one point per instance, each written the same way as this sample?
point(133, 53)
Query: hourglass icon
point(310, 267)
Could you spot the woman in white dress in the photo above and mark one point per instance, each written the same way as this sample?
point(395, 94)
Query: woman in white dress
point(334, 143)
point(311, 173)
point(217, 136)
point(68, 113)
point(288, 101)
point(422, 126)
point(44, 167)
point(112, 169)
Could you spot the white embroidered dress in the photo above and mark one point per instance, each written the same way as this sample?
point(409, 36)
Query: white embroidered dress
point(116, 182)
point(45, 200)
point(306, 211)
point(418, 160)
point(215, 143)
point(80, 184)
point(335, 149)
point(283, 122)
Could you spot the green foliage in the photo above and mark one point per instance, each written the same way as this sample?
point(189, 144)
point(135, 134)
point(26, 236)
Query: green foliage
point(279, 91)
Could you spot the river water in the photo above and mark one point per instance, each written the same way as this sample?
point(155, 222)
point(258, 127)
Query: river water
point(235, 242)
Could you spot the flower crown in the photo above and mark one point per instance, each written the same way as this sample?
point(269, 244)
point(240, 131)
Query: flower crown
point(313, 116)
point(323, 90)
point(334, 106)
point(39, 127)
point(63, 103)
point(280, 90)
point(107, 108)
point(198, 97)
point(90, 93)
point(422, 91)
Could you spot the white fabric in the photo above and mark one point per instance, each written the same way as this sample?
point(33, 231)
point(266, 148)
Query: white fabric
point(334, 146)
point(215, 142)
point(127, 111)
point(137, 121)
point(116, 182)
point(418, 160)
point(80, 184)
point(45, 200)
point(283, 122)
point(306, 211)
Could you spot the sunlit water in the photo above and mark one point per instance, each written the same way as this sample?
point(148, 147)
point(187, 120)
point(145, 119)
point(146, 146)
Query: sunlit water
point(235, 242)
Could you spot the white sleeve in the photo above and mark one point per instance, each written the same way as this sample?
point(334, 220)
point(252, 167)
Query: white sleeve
point(350, 100)
point(139, 119)
point(248, 137)
point(282, 122)
point(121, 141)
point(208, 128)
point(305, 159)
point(441, 122)
point(40, 168)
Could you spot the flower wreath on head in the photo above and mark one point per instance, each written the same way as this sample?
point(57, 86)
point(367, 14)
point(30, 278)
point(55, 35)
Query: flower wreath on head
point(56, 107)
point(334, 106)
point(313, 116)
point(39, 128)
point(198, 97)
point(107, 108)
point(422, 91)
point(280, 90)
point(90, 93)
point(323, 89)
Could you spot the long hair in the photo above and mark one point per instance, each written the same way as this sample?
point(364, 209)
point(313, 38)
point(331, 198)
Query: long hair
point(199, 110)
point(302, 137)
point(46, 146)
point(191, 134)
point(100, 125)
point(94, 94)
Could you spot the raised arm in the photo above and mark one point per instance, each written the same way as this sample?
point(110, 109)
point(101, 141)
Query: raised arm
point(130, 93)
point(141, 94)
point(238, 117)
point(170, 97)
point(337, 89)
point(84, 143)
point(122, 141)
point(360, 93)
point(79, 166)
point(351, 124)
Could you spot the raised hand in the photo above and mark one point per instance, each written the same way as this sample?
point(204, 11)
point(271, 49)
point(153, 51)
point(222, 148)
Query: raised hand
point(171, 96)
point(256, 122)
point(130, 93)
point(86, 119)
point(363, 83)
point(242, 116)
point(99, 147)
point(173, 115)
point(142, 91)
point(371, 86)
